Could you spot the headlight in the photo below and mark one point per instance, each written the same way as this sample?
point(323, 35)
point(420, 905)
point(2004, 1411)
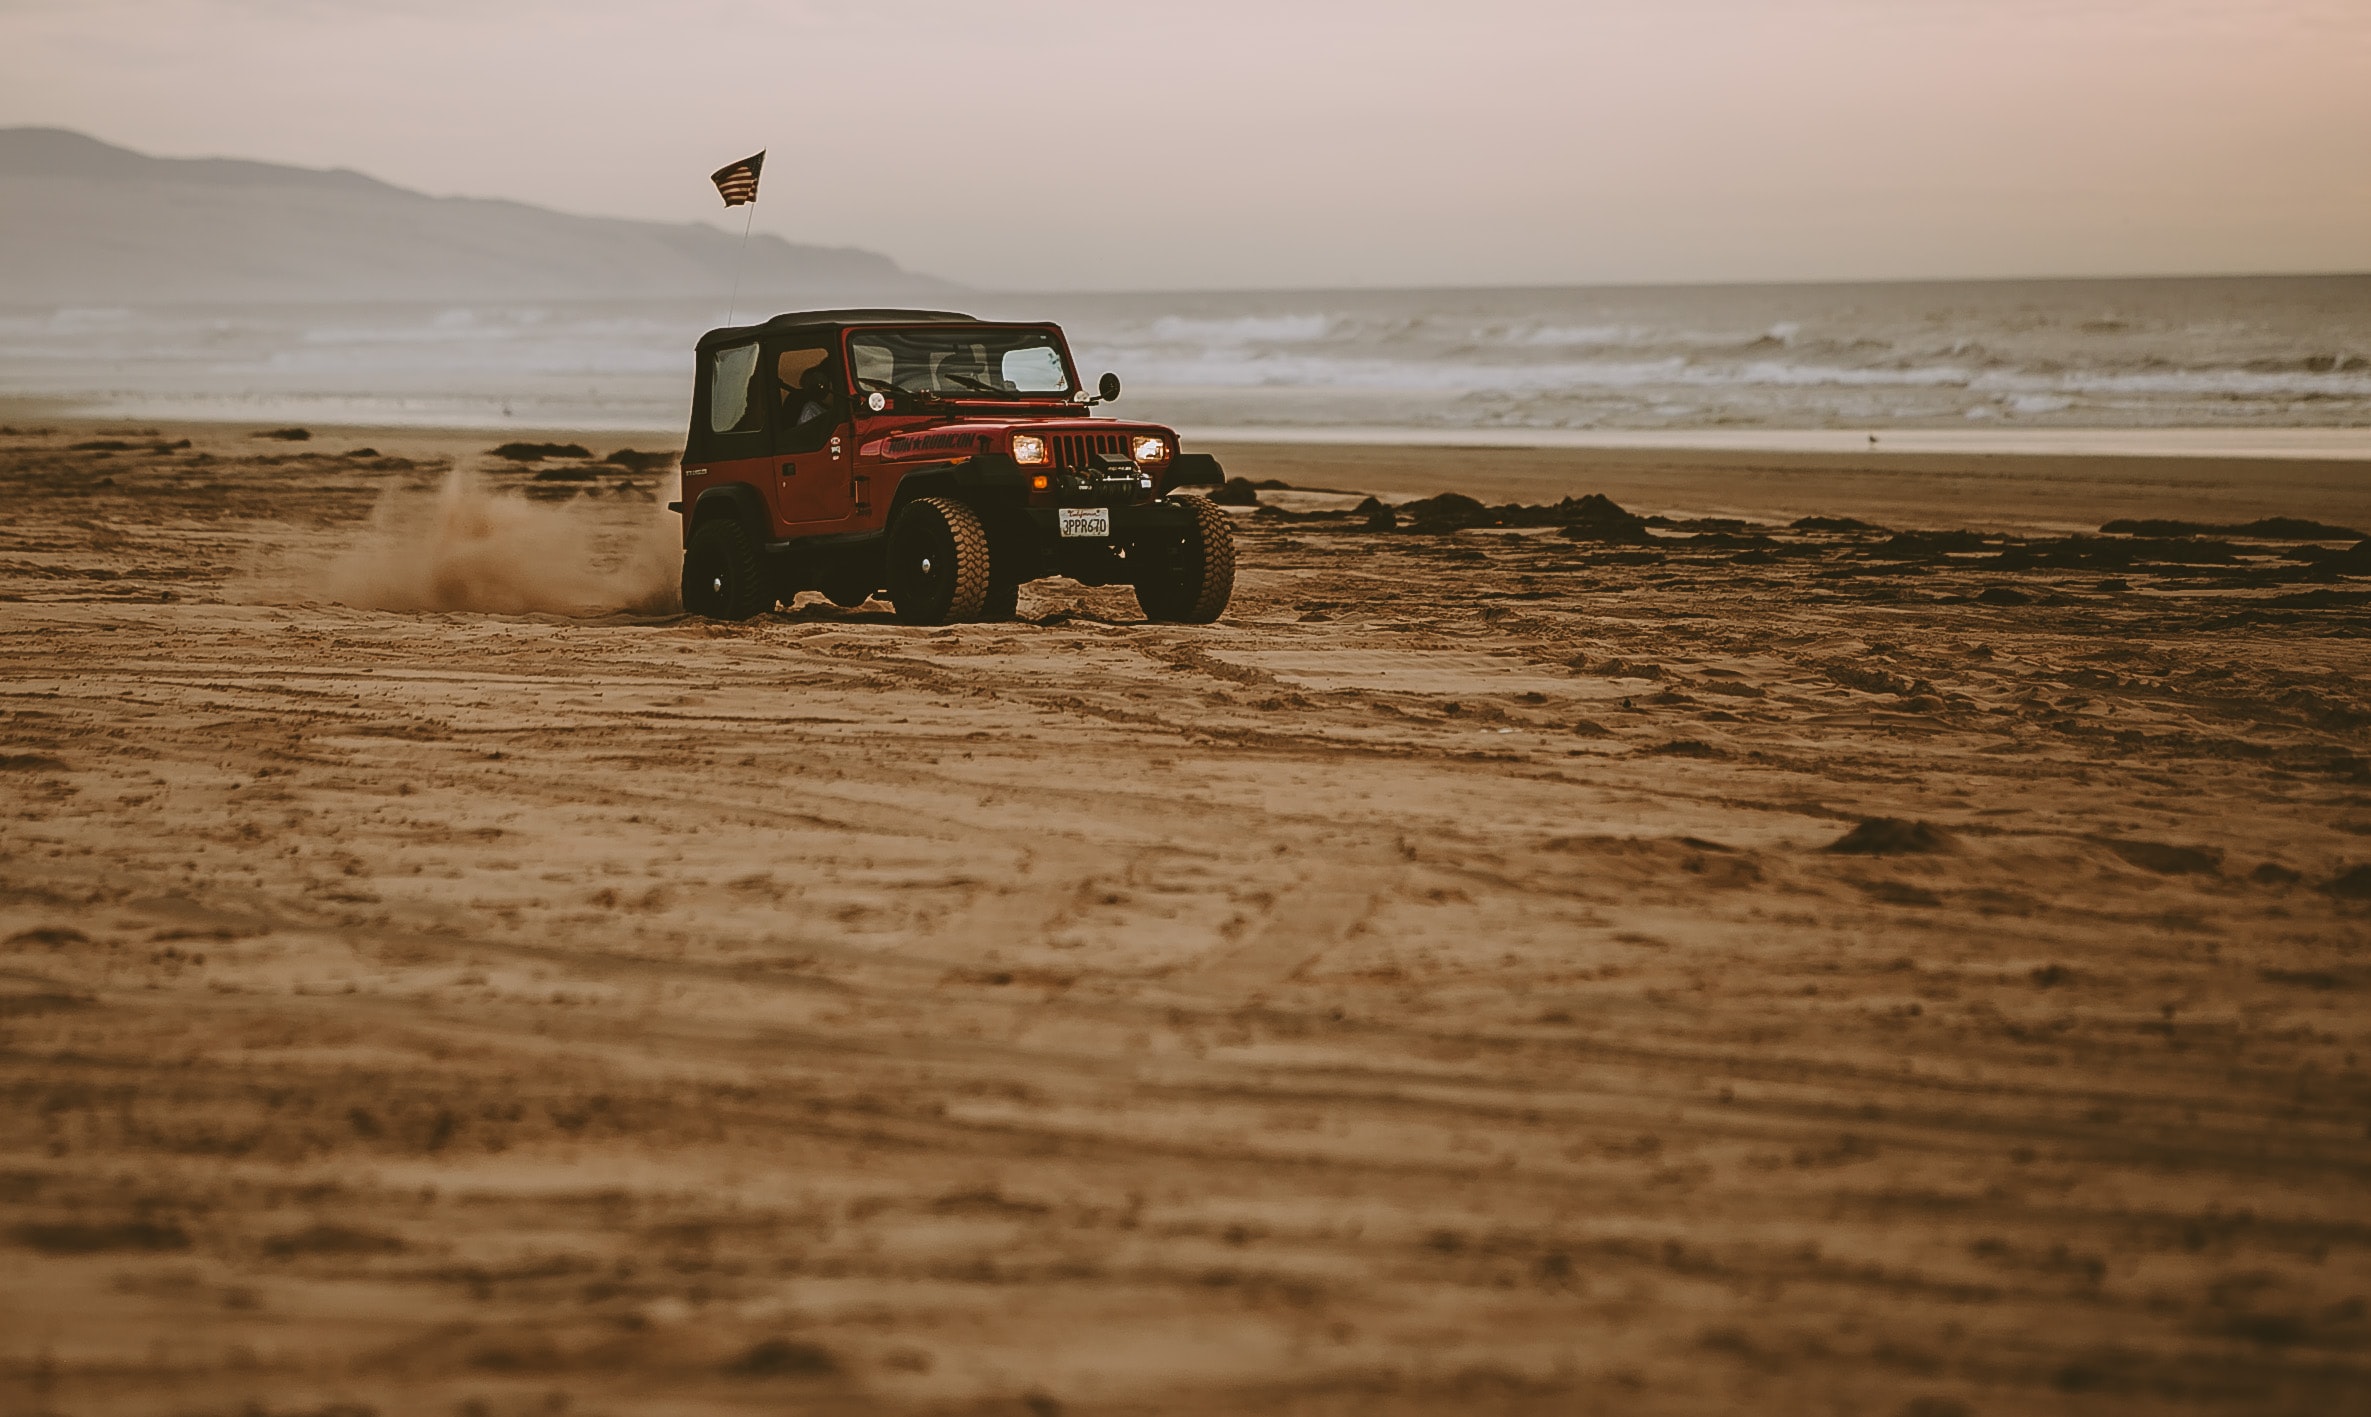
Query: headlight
point(1029, 451)
point(1150, 450)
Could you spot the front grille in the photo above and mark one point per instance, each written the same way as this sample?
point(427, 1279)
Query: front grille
point(1078, 450)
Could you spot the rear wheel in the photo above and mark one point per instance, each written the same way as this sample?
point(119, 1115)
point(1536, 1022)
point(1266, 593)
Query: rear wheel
point(1191, 580)
point(724, 578)
point(938, 562)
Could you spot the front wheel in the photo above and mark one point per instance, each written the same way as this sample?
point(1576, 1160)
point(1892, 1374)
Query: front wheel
point(724, 578)
point(1191, 580)
point(938, 562)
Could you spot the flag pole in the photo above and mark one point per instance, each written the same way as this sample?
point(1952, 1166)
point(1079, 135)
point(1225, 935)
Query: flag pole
point(740, 256)
point(737, 184)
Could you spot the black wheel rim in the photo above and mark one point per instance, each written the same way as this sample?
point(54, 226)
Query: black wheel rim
point(704, 587)
point(926, 569)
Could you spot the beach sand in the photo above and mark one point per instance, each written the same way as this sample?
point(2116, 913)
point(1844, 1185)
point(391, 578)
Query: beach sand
point(1714, 969)
point(1994, 491)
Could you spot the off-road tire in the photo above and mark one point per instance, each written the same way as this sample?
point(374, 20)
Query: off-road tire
point(938, 562)
point(724, 577)
point(1003, 601)
point(1191, 581)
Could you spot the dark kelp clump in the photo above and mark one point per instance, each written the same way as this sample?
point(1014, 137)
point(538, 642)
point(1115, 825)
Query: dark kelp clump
point(537, 452)
point(2262, 529)
point(1892, 836)
point(1591, 518)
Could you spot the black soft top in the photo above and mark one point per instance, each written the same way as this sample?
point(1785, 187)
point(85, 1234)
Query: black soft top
point(808, 319)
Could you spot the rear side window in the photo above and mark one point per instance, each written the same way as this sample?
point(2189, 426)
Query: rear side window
point(731, 408)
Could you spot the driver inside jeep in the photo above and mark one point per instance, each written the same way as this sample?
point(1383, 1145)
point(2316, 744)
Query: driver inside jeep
point(809, 399)
point(815, 396)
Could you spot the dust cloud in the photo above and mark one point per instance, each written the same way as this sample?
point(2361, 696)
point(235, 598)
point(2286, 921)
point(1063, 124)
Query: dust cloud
point(466, 546)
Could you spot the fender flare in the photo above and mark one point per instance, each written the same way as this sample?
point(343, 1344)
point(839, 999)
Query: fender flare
point(990, 470)
point(1196, 470)
point(987, 472)
point(737, 500)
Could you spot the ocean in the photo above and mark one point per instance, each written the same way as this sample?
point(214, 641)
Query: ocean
point(2241, 362)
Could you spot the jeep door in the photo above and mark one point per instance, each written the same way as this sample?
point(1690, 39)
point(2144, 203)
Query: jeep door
point(812, 447)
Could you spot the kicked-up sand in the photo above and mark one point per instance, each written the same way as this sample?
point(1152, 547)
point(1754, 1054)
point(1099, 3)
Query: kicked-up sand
point(1910, 963)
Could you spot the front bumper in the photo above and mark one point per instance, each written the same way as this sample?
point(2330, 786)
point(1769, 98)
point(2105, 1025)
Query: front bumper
point(1131, 521)
point(1032, 545)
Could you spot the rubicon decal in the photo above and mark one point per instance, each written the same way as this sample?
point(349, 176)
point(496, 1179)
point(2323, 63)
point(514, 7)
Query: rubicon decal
point(937, 443)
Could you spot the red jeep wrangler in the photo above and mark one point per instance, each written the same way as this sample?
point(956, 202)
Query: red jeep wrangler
point(943, 458)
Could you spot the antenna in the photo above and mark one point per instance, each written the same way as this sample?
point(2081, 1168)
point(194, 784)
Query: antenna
point(740, 257)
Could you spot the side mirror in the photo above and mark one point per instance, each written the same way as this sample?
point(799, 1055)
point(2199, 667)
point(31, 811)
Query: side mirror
point(1109, 387)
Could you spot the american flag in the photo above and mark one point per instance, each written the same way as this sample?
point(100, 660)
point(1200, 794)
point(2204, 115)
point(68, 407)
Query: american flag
point(737, 183)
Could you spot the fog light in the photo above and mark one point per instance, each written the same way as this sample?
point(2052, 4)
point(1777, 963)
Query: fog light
point(1029, 451)
point(1150, 450)
point(1040, 482)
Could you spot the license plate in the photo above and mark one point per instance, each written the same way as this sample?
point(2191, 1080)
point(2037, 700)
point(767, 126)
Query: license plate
point(1083, 521)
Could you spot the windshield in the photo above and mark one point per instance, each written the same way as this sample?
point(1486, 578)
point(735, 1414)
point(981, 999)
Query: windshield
point(961, 362)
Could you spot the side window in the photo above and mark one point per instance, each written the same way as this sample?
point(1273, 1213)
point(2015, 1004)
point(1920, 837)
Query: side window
point(1035, 369)
point(792, 366)
point(730, 407)
point(808, 383)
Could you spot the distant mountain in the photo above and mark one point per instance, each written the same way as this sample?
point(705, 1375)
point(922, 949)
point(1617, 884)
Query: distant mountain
point(84, 222)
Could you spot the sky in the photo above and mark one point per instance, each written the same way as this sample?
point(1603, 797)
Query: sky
point(1107, 144)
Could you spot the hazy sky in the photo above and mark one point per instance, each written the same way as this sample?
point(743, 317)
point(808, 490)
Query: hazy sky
point(1104, 143)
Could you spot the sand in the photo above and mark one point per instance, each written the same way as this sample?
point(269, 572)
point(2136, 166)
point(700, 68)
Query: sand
point(1745, 969)
point(2032, 492)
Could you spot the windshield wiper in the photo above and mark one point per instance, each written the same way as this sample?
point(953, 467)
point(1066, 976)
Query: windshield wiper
point(991, 391)
point(898, 391)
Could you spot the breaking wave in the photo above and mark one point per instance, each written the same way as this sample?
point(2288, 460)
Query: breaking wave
point(2289, 352)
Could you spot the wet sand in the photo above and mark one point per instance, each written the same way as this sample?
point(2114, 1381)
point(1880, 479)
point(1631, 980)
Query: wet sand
point(1437, 987)
point(1991, 490)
